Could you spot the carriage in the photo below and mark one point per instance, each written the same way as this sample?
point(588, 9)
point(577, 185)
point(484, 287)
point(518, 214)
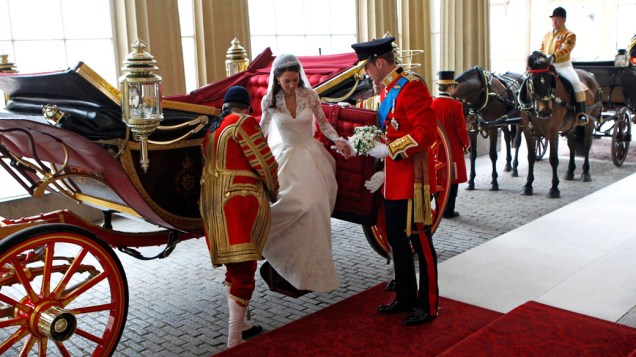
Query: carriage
point(63, 290)
point(618, 95)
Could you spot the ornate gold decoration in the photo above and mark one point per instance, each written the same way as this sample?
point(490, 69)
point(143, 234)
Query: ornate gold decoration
point(236, 58)
point(5, 65)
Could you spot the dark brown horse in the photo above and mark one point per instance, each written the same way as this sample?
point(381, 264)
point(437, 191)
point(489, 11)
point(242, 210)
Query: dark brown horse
point(490, 103)
point(547, 110)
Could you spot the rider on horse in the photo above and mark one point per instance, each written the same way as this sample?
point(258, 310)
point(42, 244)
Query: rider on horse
point(557, 44)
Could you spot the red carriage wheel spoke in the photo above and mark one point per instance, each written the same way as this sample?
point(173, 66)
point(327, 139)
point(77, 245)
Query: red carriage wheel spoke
point(28, 345)
point(17, 321)
point(13, 339)
point(96, 308)
point(19, 272)
point(89, 336)
point(48, 266)
point(69, 273)
point(9, 301)
point(85, 287)
point(62, 349)
point(42, 347)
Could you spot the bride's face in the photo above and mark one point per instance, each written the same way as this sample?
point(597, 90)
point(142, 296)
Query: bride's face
point(289, 81)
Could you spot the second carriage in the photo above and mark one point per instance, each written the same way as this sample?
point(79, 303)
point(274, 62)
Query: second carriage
point(618, 96)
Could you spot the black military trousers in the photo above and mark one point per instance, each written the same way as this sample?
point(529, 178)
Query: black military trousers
point(405, 278)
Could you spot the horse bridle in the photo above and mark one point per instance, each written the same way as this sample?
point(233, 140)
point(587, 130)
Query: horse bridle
point(548, 97)
point(509, 87)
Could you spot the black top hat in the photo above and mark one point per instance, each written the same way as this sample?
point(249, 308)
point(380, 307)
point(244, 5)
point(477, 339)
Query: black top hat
point(237, 95)
point(446, 77)
point(559, 12)
point(370, 49)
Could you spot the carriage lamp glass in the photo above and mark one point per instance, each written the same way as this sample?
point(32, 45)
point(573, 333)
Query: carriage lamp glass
point(236, 58)
point(141, 97)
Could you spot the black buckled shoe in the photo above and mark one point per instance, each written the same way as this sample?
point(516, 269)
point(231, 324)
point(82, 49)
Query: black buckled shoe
point(251, 332)
point(396, 306)
point(418, 317)
point(453, 214)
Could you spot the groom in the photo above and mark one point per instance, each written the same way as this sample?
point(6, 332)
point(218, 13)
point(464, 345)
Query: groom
point(406, 117)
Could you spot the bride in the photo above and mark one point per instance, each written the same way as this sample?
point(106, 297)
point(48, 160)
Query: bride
point(299, 244)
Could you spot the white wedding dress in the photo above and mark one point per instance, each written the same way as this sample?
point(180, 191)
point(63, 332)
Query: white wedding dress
point(299, 244)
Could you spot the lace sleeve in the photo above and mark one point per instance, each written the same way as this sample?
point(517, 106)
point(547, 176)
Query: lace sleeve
point(324, 125)
point(266, 116)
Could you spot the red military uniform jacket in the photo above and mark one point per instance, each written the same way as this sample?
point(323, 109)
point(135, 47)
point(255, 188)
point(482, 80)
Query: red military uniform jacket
point(410, 128)
point(239, 175)
point(450, 113)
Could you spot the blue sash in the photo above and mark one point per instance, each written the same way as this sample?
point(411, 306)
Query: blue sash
point(389, 101)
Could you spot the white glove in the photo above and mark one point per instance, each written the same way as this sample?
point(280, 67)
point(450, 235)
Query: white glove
point(379, 151)
point(344, 104)
point(375, 182)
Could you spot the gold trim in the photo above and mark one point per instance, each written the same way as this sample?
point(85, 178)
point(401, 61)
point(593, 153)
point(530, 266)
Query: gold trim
point(179, 222)
point(400, 145)
point(135, 145)
point(357, 70)
point(189, 107)
point(107, 204)
point(100, 83)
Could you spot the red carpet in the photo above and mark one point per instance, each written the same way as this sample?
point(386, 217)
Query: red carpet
point(534, 329)
point(353, 327)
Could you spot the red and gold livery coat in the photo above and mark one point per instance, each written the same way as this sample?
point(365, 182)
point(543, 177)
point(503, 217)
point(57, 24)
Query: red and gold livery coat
point(239, 175)
point(450, 113)
point(560, 43)
point(410, 128)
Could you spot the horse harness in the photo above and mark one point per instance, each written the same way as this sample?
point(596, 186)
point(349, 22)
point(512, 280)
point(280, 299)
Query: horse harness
point(511, 88)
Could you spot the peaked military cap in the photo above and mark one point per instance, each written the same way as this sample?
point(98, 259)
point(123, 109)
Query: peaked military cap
point(446, 77)
point(371, 49)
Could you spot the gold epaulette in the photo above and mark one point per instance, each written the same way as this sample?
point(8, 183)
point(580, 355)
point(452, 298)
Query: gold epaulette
point(412, 77)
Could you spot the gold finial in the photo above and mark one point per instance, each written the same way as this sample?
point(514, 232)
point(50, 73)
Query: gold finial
point(139, 62)
point(236, 58)
point(5, 65)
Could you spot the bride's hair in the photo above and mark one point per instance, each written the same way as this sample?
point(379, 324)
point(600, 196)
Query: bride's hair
point(278, 71)
point(284, 63)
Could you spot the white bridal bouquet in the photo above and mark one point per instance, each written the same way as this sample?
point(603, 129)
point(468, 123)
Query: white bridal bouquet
point(364, 138)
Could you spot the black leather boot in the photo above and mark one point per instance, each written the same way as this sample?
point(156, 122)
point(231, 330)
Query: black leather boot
point(581, 116)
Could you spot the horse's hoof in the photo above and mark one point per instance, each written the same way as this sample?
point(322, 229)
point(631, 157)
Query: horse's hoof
point(569, 176)
point(586, 178)
point(494, 187)
point(470, 187)
point(515, 173)
point(553, 194)
point(507, 168)
point(526, 191)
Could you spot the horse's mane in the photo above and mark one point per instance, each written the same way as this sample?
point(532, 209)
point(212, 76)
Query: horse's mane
point(467, 73)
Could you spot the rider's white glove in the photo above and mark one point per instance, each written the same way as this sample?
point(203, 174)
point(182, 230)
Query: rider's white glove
point(375, 182)
point(379, 151)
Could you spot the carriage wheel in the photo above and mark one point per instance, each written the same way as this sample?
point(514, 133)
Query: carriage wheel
point(541, 147)
point(62, 292)
point(621, 136)
point(376, 235)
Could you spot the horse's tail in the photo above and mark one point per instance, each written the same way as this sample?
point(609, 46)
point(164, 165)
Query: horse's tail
point(579, 141)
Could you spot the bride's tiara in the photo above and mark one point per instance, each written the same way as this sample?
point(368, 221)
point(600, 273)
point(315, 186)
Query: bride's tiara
point(287, 64)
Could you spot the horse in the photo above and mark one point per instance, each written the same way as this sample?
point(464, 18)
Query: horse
point(547, 110)
point(490, 102)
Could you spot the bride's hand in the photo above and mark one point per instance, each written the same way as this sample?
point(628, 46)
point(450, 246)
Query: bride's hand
point(344, 147)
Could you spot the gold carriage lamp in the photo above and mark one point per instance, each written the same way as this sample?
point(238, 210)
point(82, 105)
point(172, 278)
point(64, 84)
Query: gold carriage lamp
point(141, 97)
point(236, 58)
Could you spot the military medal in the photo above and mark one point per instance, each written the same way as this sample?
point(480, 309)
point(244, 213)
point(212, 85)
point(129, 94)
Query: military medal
point(394, 124)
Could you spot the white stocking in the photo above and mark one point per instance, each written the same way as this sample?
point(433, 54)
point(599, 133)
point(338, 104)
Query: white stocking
point(246, 325)
point(235, 324)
